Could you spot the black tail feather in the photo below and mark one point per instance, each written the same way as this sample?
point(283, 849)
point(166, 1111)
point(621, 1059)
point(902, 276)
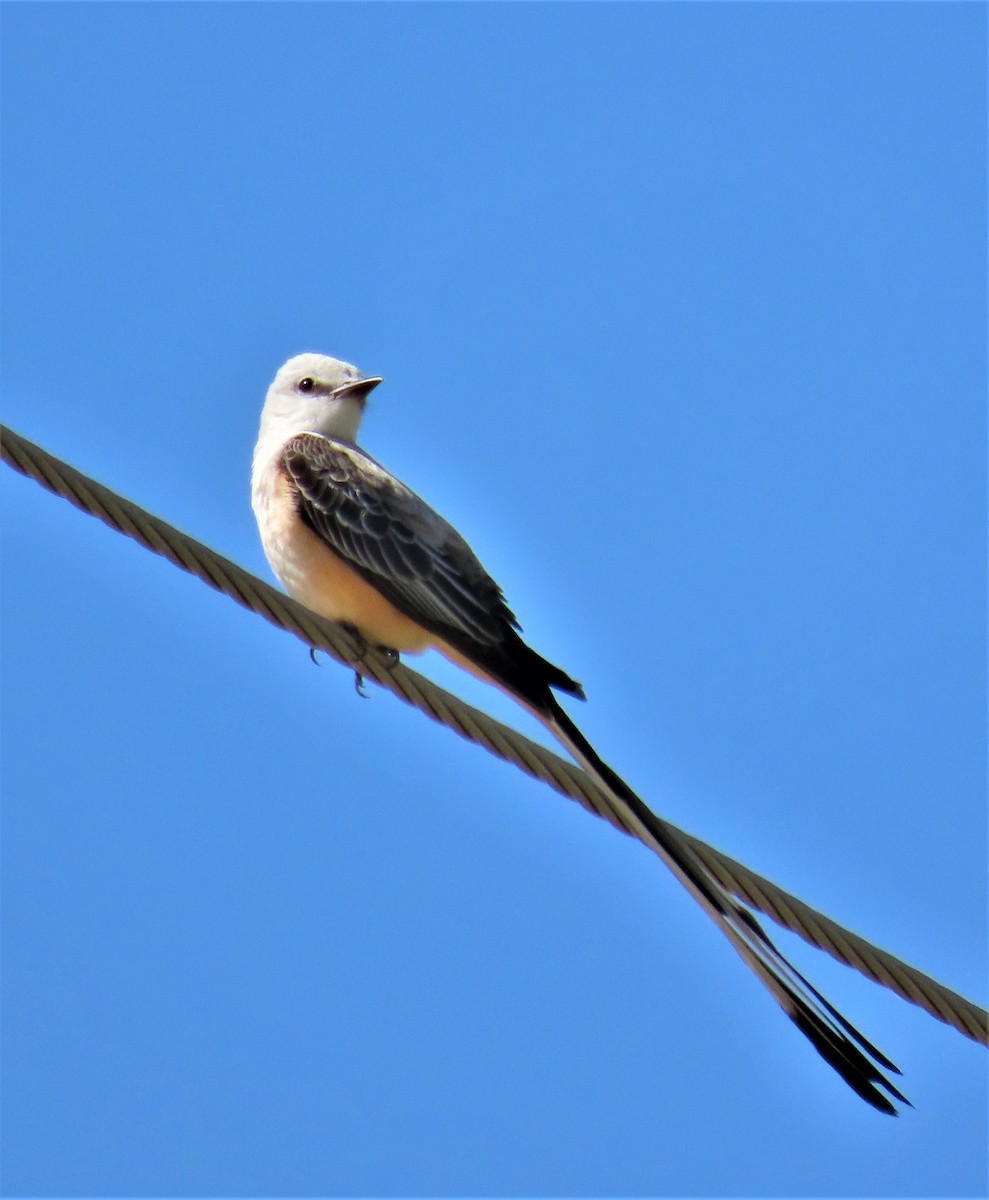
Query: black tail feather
point(849, 1028)
point(838, 1042)
point(531, 678)
point(850, 1063)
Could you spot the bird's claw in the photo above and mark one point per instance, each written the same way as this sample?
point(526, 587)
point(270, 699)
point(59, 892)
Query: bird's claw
point(361, 647)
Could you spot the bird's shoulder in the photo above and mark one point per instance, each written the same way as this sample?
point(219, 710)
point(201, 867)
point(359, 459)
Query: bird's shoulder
point(314, 456)
point(341, 478)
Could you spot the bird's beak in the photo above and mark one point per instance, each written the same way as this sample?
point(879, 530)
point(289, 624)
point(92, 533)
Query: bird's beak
point(358, 388)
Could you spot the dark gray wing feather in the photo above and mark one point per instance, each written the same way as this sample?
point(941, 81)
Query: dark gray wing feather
point(410, 554)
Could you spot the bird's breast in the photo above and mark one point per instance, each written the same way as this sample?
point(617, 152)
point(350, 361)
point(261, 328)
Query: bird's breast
point(315, 575)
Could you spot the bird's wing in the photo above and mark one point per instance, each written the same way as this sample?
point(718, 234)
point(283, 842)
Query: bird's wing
point(395, 541)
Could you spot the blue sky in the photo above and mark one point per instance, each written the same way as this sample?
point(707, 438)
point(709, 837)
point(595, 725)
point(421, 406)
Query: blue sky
point(681, 311)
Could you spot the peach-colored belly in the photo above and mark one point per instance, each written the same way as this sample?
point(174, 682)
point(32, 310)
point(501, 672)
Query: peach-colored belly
point(318, 578)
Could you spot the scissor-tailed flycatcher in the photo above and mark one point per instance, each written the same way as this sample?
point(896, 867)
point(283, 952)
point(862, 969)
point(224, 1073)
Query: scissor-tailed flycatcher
point(355, 545)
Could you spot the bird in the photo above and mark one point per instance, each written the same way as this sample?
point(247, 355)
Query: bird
point(355, 545)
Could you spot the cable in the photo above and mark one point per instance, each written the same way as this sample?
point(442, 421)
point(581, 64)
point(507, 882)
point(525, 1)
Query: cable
point(317, 633)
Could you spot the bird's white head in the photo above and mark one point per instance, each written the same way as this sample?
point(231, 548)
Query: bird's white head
point(317, 394)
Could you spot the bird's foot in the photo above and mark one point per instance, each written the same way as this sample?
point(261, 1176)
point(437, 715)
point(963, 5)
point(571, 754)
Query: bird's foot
point(362, 646)
point(360, 641)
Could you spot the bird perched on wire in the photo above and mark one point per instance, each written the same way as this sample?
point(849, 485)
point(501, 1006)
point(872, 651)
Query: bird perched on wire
point(354, 544)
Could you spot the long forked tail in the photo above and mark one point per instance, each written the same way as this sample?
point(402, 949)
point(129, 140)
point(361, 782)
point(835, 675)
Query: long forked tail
point(855, 1059)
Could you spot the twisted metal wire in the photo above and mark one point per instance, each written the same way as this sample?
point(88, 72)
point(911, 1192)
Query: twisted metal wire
point(476, 726)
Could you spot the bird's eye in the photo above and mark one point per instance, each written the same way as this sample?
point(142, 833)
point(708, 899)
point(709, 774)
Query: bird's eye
point(307, 384)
